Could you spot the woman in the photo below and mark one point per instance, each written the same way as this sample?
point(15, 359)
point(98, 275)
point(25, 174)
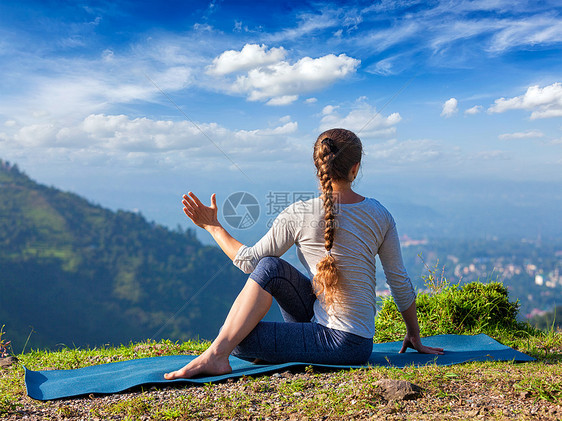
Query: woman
point(330, 319)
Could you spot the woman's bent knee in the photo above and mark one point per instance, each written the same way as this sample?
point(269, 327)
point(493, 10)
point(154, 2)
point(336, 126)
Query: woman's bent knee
point(266, 269)
point(269, 263)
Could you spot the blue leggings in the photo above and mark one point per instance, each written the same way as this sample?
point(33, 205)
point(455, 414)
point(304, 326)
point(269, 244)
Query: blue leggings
point(297, 339)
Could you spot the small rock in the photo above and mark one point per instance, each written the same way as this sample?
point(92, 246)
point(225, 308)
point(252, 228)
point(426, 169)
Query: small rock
point(390, 410)
point(525, 394)
point(8, 362)
point(393, 390)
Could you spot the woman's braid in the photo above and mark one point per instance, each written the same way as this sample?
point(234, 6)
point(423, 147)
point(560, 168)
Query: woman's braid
point(335, 152)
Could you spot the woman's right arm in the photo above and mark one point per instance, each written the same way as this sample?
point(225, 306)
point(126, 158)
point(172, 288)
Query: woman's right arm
point(206, 218)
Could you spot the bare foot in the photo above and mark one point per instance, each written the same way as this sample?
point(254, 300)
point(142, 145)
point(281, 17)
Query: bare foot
point(204, 364)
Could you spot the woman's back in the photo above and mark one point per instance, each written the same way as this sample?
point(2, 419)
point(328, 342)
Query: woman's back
point(363, 229)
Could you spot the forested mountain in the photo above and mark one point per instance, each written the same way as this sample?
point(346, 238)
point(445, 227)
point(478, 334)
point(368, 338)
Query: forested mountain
point(74, 273)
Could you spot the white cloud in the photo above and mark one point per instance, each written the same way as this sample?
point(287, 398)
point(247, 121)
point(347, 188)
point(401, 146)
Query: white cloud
point(364, 120)
point(490, 155)
point(40, 113)
point(544, 102)
point(287, 80)
point(473, 110)
point(405, 152)
point(311, 100)
point(36, 134)
point(107, 55)
point(267, 76)
point(282, 100)
point(121, 135)
point(449, 108)
point(69, 89)
point(532, 31)
point(383, 67)
point(250, 57)
point(444, 34)
point(308, 24)
point(529, 134)
point(287, 128)
point(383, 39)
point(456, 34)
point(202, 27)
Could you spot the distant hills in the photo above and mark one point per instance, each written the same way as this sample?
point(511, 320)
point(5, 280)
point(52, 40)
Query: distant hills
point(74, 273)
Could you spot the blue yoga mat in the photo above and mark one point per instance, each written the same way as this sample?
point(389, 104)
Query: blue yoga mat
point(120, 376)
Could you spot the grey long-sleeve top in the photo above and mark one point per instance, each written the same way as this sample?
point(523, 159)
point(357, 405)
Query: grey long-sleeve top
point(363, 230)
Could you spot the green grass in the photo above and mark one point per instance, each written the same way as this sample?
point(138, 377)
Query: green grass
point(312, 394)
point(69, 358)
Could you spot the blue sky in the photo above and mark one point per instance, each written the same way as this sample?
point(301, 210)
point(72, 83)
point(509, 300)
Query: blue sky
point(441, 93)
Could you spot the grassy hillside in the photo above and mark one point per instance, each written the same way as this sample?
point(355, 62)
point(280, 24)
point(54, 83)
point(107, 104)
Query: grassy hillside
point(74, 273)
point(482, 390)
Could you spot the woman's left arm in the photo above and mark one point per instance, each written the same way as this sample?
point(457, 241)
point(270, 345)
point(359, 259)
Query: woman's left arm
point(402, 291)
point(412, 338)
point(206, 218)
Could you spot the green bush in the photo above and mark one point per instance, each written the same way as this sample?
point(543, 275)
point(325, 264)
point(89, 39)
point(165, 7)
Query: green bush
point(473, 308)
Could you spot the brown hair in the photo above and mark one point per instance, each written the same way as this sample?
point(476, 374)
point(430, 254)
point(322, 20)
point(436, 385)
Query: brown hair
point(336, 151)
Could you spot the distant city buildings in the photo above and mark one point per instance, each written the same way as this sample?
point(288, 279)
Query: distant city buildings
point(530, 270)
point(406, 241)
point(500, 271)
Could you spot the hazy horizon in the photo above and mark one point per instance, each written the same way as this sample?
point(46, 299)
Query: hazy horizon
point(427, 208)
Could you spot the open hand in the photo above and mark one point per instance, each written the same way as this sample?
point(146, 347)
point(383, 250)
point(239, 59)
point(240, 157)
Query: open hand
point(415, 343)
point(201, 215)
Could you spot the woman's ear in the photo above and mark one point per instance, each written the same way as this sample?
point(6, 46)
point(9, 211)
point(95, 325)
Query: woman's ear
point(354, 170)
